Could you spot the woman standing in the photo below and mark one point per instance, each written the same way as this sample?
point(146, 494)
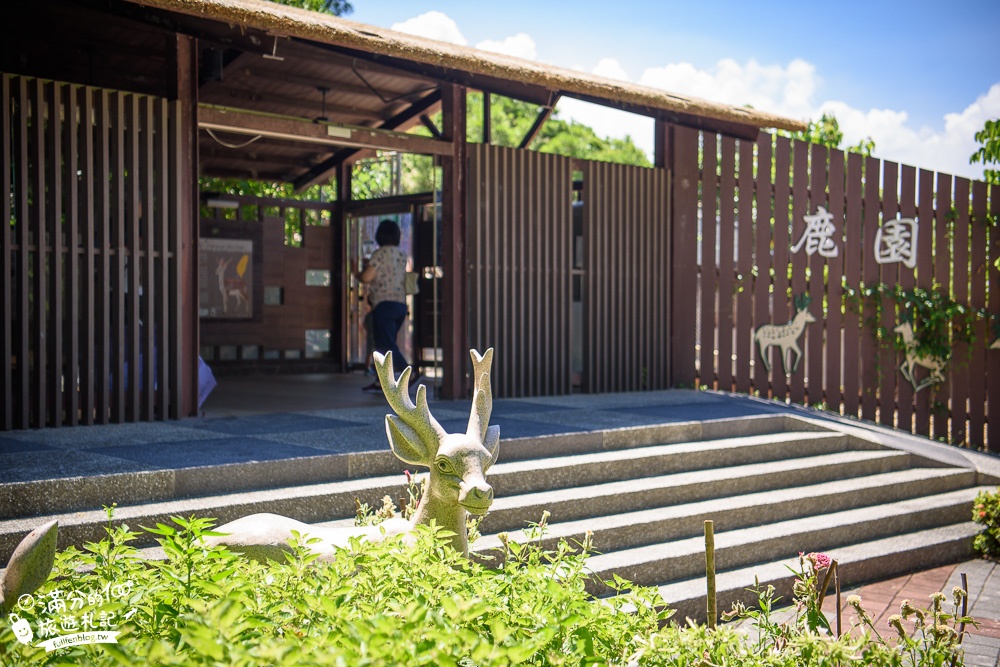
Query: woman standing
point(385, 274)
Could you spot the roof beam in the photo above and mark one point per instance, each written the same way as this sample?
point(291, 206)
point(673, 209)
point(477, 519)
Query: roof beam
point(543, 115)
point(332, 134)
point(409, 115)
point(227, 96)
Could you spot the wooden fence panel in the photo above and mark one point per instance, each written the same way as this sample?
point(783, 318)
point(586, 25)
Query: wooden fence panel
point(781, 308)
point(925, 280)
point(763, 263)
point(907, 280)
point(727, 264)
point(520, 267)
point(847, 363)
point(709, 267)
point(960, 352)
point(799, 260)
point(835, 320)
point(77, 260)
point(744, 267)
point(852, 277)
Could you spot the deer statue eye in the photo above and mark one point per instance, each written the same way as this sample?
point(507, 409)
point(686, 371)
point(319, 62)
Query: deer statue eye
point(443, 466)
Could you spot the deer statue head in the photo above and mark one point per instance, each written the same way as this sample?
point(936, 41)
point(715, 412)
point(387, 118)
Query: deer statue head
point(457, 461)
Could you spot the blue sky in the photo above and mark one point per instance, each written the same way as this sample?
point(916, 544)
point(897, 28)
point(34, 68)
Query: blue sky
point(918, 77)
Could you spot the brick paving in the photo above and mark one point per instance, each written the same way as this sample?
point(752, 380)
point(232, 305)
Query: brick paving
point(882, 599)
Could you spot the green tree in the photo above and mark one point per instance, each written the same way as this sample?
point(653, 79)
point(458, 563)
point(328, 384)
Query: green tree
point(335, 7)
point(826, 131)
point(989, 150)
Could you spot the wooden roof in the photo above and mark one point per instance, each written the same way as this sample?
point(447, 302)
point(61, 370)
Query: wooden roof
point(349, 74)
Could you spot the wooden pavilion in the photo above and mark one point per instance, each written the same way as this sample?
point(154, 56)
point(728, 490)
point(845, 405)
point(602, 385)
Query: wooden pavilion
point(113, 108)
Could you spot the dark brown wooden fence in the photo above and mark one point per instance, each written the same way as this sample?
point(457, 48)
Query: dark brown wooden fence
point(90, 278)
point(626, 239)
point(520, 267)
point(752, 202)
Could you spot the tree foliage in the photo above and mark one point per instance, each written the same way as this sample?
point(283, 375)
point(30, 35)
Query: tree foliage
point(826, 132)
point(335, 7)
point(989, 150)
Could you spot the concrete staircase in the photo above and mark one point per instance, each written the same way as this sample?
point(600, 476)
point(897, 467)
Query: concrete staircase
point(774, 485)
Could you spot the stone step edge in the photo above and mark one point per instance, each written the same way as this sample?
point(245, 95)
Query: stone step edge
point(858, 564)
point(54, 496)
point(738, 544)
point(821, 492)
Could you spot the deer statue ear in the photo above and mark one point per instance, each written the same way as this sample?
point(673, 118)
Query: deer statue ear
point(405, 443)
point(29, 565)
point(492, 444)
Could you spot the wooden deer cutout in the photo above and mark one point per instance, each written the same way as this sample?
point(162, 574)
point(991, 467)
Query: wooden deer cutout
point(913, 359)
point(456, 487)
point(231, 287)
point(785, 335)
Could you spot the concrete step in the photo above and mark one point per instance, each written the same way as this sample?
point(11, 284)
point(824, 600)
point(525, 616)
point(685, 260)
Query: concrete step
point(683, 559)
point(858, 562)
point(519, 477)
point(664, 523)
point(570, 504)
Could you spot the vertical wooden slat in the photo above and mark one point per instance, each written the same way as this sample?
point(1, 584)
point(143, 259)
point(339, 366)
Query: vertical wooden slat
point(683, 244)
point(102, 204)
point(744, 267)
point(147, 235)
point(800, 202)
point(22, 334)
point(979, 269)
point(993, 360)
point(727, 283)
point(709, 268)
point(71, 287)
point(815, 332)
point(763, 234)
point(925, 279)
point(906, 280)
point(888, 357)
point(119, 220)
point(782, 244)
point(131, 258)
point(835, 319)
point(54, 327)
point(870, 372)
point(959, 367)
point(38, 220)
point(161, 226)
point(7, 260)
point(943, 228)
point(855, 250)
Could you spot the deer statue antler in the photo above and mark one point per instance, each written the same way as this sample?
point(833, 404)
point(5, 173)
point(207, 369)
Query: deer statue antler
point(414, 435)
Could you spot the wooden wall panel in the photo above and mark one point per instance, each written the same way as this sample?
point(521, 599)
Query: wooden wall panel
point(78, 281)
point(520, 267)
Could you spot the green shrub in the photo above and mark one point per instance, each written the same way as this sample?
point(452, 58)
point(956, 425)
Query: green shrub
point(391, 604)
point(986, 510)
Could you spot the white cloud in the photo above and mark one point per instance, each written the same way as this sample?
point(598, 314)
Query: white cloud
point(610, 68)
point(433, 25)
point(520, 45)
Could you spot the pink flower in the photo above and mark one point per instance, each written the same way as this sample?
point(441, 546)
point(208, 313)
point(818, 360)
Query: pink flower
point(409, 476)
point(819, 561)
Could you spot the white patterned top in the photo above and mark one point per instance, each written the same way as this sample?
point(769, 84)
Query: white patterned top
point(389, 263)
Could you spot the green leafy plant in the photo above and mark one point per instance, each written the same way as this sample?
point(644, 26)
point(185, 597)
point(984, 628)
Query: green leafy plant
point(986, 510)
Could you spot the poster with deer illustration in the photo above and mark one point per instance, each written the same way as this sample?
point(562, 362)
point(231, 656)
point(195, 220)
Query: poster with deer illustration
point(225, 278)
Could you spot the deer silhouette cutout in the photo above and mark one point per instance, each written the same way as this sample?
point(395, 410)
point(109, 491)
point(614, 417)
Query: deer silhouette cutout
point(231, 287)
point(785, 336)
point(913, 359)
point(456, 486)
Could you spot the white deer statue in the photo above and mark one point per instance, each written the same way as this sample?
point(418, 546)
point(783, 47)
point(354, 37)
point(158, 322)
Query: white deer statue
point(235, 287)
point(914, 359)
point(457, 484)
point(785, 335)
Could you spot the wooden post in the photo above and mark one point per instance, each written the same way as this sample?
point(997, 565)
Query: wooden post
point(453, 229)
point(185, 300)
point(682, 149)
point(341, 268)
point(710, 572)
